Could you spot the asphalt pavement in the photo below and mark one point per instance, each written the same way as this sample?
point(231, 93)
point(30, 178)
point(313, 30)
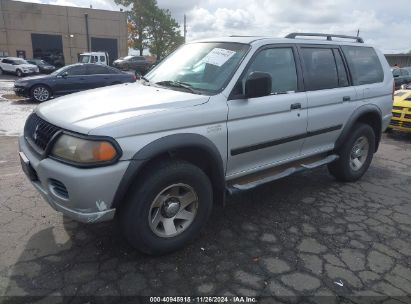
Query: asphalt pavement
point(303, 238)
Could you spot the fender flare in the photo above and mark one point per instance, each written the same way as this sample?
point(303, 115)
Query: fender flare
point(164, 145)
point(355, 116)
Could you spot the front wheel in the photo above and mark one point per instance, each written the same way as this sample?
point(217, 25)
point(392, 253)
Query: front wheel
point(355, 154)
point(168, 209)
point(40, 93)
point(19, 73)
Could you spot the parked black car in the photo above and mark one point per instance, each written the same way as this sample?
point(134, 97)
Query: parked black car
point(44, 67)
point(138, 64)
point(70, 79)
point(401, 76)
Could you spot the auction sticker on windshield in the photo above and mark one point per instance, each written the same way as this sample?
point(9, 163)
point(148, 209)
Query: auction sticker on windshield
point(218, 56)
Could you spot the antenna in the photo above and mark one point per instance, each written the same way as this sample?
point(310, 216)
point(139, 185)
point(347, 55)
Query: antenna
point(358, 33)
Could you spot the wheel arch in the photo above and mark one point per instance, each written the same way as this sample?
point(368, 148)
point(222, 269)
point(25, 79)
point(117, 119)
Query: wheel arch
point(190, 147)
point(41, 84)
point(368, 114)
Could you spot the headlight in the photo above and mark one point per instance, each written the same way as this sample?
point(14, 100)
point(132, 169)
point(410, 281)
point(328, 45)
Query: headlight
point(83, 151)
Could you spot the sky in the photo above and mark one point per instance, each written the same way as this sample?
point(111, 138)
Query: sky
point(382, 23)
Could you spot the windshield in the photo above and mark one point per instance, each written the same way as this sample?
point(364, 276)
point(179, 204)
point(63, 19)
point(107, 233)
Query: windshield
point(201, 66)
point(84, 58)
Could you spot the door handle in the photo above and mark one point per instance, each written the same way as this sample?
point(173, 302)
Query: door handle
point(295, 106)
point(346, 98)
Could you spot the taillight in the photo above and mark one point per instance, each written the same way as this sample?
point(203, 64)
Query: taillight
point(134, 77)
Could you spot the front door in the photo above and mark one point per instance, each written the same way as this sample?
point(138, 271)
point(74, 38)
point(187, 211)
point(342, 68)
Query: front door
point(267, 130)
point(75, 80)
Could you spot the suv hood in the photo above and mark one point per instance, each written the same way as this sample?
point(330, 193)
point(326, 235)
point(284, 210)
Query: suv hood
point(85, 111)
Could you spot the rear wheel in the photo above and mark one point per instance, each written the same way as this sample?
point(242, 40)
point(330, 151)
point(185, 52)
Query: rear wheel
point(168, 209)
point(355, 154)
point(40, 93)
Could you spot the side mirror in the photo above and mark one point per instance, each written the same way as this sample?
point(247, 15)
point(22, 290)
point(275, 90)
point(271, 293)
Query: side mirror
point(258, 84)
point(64, 75)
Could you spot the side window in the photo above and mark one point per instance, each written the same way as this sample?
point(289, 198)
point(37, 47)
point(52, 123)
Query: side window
point(320, 70)
point(76, 70)
point(96, 69)
point(404, 72)
point(280, 64)
point(364, 64)
point(7, 61)
point(102, 59)
point(341, 71)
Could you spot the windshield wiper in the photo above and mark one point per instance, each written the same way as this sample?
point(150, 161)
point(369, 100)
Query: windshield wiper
point(145, 79)
point(177, 84)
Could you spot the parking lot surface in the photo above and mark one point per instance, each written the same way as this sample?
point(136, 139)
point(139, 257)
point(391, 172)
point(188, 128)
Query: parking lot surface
point(306, 235)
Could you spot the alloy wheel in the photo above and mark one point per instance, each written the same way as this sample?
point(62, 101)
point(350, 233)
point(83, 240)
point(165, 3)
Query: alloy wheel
point(173, 210)
point(359, 153)
point(41, 94)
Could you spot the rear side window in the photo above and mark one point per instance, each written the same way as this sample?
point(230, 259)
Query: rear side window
point(364, 64)
point(320, 70)
point(102, 59)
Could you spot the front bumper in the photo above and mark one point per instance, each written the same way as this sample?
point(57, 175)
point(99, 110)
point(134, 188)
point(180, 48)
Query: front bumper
point(90, 192)
point(401, 119)
point(21, 91)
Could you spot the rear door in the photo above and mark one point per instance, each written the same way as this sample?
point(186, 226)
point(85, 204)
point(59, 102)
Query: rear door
point(330, 96)
point(265, 131)
point(98, 76)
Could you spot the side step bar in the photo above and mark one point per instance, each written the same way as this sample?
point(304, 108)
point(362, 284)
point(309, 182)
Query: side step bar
point(237, 187)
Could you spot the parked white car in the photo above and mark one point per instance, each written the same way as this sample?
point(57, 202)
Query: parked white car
point(17, 66)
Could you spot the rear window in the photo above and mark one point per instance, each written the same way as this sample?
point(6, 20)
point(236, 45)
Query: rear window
point(364, 64)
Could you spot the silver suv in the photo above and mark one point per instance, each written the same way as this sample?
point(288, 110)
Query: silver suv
point(216, 117)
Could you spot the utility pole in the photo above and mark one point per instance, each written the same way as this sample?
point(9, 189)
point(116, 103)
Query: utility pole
point(185, 27)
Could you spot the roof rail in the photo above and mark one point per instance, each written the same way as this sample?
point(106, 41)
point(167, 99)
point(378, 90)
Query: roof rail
point(328, 36)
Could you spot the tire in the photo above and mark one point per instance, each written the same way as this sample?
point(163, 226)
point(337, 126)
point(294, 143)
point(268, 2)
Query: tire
point(349, 167)
point(40, 93)
point(1, 71)
point(19, 73)
point(157, 199)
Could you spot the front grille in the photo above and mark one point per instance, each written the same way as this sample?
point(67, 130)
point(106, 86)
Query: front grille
point(407, 116)
point(394, 122)
point(397, 108)
point(406, 124)
point(395, 114)
point(39, 131)
point(59, 188)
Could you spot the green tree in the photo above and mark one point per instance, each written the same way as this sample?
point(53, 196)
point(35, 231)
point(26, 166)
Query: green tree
point(165, 35)
point(138, 20)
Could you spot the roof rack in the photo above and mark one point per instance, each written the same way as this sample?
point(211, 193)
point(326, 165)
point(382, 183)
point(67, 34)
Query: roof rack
point(328, 36)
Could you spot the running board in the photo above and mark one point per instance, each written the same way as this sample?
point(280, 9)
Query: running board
point(267, 177)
